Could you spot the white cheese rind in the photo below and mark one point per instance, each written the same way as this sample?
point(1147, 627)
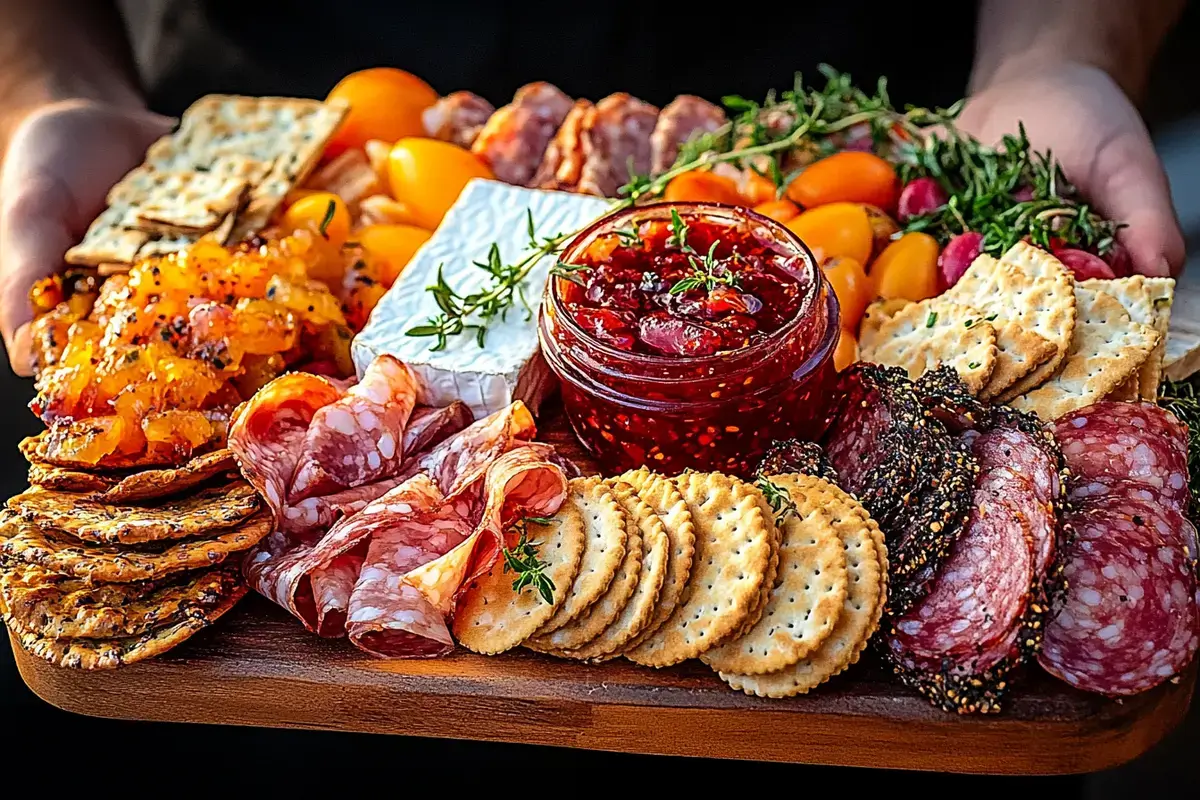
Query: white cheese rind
point(509, 366)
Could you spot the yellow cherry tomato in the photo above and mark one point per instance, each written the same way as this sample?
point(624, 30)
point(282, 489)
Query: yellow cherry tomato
point(385, 103)
point(846, 352)
point(781, 211)
point(323, 213)
point(851, 286)
point(392, 246)
point(836, 229)
point(701, 187)
point(907, 268)
point(427, 175)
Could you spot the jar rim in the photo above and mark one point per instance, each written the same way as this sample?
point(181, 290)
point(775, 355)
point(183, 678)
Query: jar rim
point(768, 342)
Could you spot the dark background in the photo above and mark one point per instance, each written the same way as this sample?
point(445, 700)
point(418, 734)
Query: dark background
point(49, 748)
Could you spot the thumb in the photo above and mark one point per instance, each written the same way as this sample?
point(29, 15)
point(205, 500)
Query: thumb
point(1130, 184)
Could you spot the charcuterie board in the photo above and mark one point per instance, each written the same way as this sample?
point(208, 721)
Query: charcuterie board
point(257, 667)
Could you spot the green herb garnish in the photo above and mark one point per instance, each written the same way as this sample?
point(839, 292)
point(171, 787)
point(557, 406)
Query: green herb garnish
point(330, 210)
point(679, 232)
point(1182, 398)
point(706, 272)
point(629, 235)
point(779, 498)
point(931, 320)
point(523, 561)
point(973, 365)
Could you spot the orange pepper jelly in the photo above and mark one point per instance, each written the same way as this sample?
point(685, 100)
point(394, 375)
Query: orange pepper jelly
point(689, 335)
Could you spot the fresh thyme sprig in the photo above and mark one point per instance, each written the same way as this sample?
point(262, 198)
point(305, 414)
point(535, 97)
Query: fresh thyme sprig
point(679, 233)
point(779, 498)
point(1007, 193)
point(523, 562)
point(706, 272)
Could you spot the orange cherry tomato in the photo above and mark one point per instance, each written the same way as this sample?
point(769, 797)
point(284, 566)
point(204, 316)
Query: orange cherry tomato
point(320, 212)
point(907, 268)
point(837, 229)
point(851, 286)
point(393, 246)
point(846, 352)
point(757, 189)
point(883, 228)
point(849, 176)
point(779, 210)
point(385, 103)
point(427, 175)
point(699, 186)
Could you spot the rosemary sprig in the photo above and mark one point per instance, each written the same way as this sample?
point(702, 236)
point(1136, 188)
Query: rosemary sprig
point(523, 561)
point(779, 498)
point(1182, 398)
point(706, 272)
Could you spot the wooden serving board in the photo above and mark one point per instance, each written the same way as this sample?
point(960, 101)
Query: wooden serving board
point(258, 666)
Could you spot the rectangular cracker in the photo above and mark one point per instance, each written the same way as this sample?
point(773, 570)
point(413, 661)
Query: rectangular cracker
point(190, 203)
point(108, 240)
point(1107, 348)
point(1147, 301)
point(1162, 298)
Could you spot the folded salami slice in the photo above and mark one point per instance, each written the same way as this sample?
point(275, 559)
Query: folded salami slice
point(358, 439)
point(683, 119)
point(515, 137)
point(1134, 441)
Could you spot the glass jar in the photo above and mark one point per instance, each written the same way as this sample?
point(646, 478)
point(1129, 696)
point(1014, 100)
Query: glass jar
point(715, 412)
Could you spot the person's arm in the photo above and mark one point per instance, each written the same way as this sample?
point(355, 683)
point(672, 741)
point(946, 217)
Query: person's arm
point(59, 50)
point(1070, 71)
point(72, 122)
point(1119, 37)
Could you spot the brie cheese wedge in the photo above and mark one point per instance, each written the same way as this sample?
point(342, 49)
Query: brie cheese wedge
point(508, 367)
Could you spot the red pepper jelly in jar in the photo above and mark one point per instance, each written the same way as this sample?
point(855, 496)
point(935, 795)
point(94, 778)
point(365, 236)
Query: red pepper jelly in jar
point(689, 335)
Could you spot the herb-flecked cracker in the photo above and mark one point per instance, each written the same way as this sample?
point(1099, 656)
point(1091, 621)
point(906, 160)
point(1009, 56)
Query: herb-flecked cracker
point(58, 552)
point(138, 487)
point(804, 604)
point(923, 336)
point(867, 568)
point(603, 551)
point(94, 654)
point(492, 617)
point(57, 606)
point(1107, 348)
point(209, 510)
point(642, 603)
point(733, 549)
point(663, 497)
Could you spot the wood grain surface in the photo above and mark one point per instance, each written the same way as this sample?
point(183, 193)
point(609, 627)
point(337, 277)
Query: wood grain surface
point(258, 666)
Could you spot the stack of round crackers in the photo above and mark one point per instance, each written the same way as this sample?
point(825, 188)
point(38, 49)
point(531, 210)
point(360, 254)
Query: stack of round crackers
point(100, 569)
point(777, 595)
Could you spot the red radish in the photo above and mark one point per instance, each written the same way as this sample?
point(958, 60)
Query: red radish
point(918, 197)
point(956, 256)
point(1118, 259)
point(1085, 265)
point(1023, 194)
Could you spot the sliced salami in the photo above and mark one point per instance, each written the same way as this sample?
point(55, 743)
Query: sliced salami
point(1128, 621)
point(514, 140)
point(616, 144)
point(1134, 441)
point(563, 162)
point(683, 119)
point(358, 439)
point(458, 117)
point(267, 435)
point(428, 426)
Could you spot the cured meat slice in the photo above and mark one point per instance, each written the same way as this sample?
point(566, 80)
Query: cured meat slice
point(616, 143)
point(563, 161)
point(793, 455)
point(358, 438)
point(681, 120)
point(268, 432)
point(515, 138)
point(1135, 441)
point(948, 400)
point(428, 426)
point(1128, 621)
point(1167, 523)
point(458, 117)
point(958, 644)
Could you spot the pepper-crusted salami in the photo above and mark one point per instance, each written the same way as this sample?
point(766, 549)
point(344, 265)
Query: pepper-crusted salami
point(681, 120)
point(515, 138)
point(358, 439)
point(792, 455)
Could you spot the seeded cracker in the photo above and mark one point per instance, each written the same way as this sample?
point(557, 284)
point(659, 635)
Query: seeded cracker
point(928, 334)
point(210, 510)
point(642, 603)
point(603, 551)
point(1034, 310)
point(803, 606)
point(1106, 349)
point(54, 606)
point(150, 484)
point(57, 552)
point(733, 550)
point(867, 567)
point(492, 618)
point(92, 654)
point(663, 497)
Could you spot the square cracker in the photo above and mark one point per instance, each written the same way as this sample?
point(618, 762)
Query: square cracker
point(1106, 349)
point(1162, 297)
point(108, 240)
point(1032, 307)
point(190, 203)
point(1147, 301)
